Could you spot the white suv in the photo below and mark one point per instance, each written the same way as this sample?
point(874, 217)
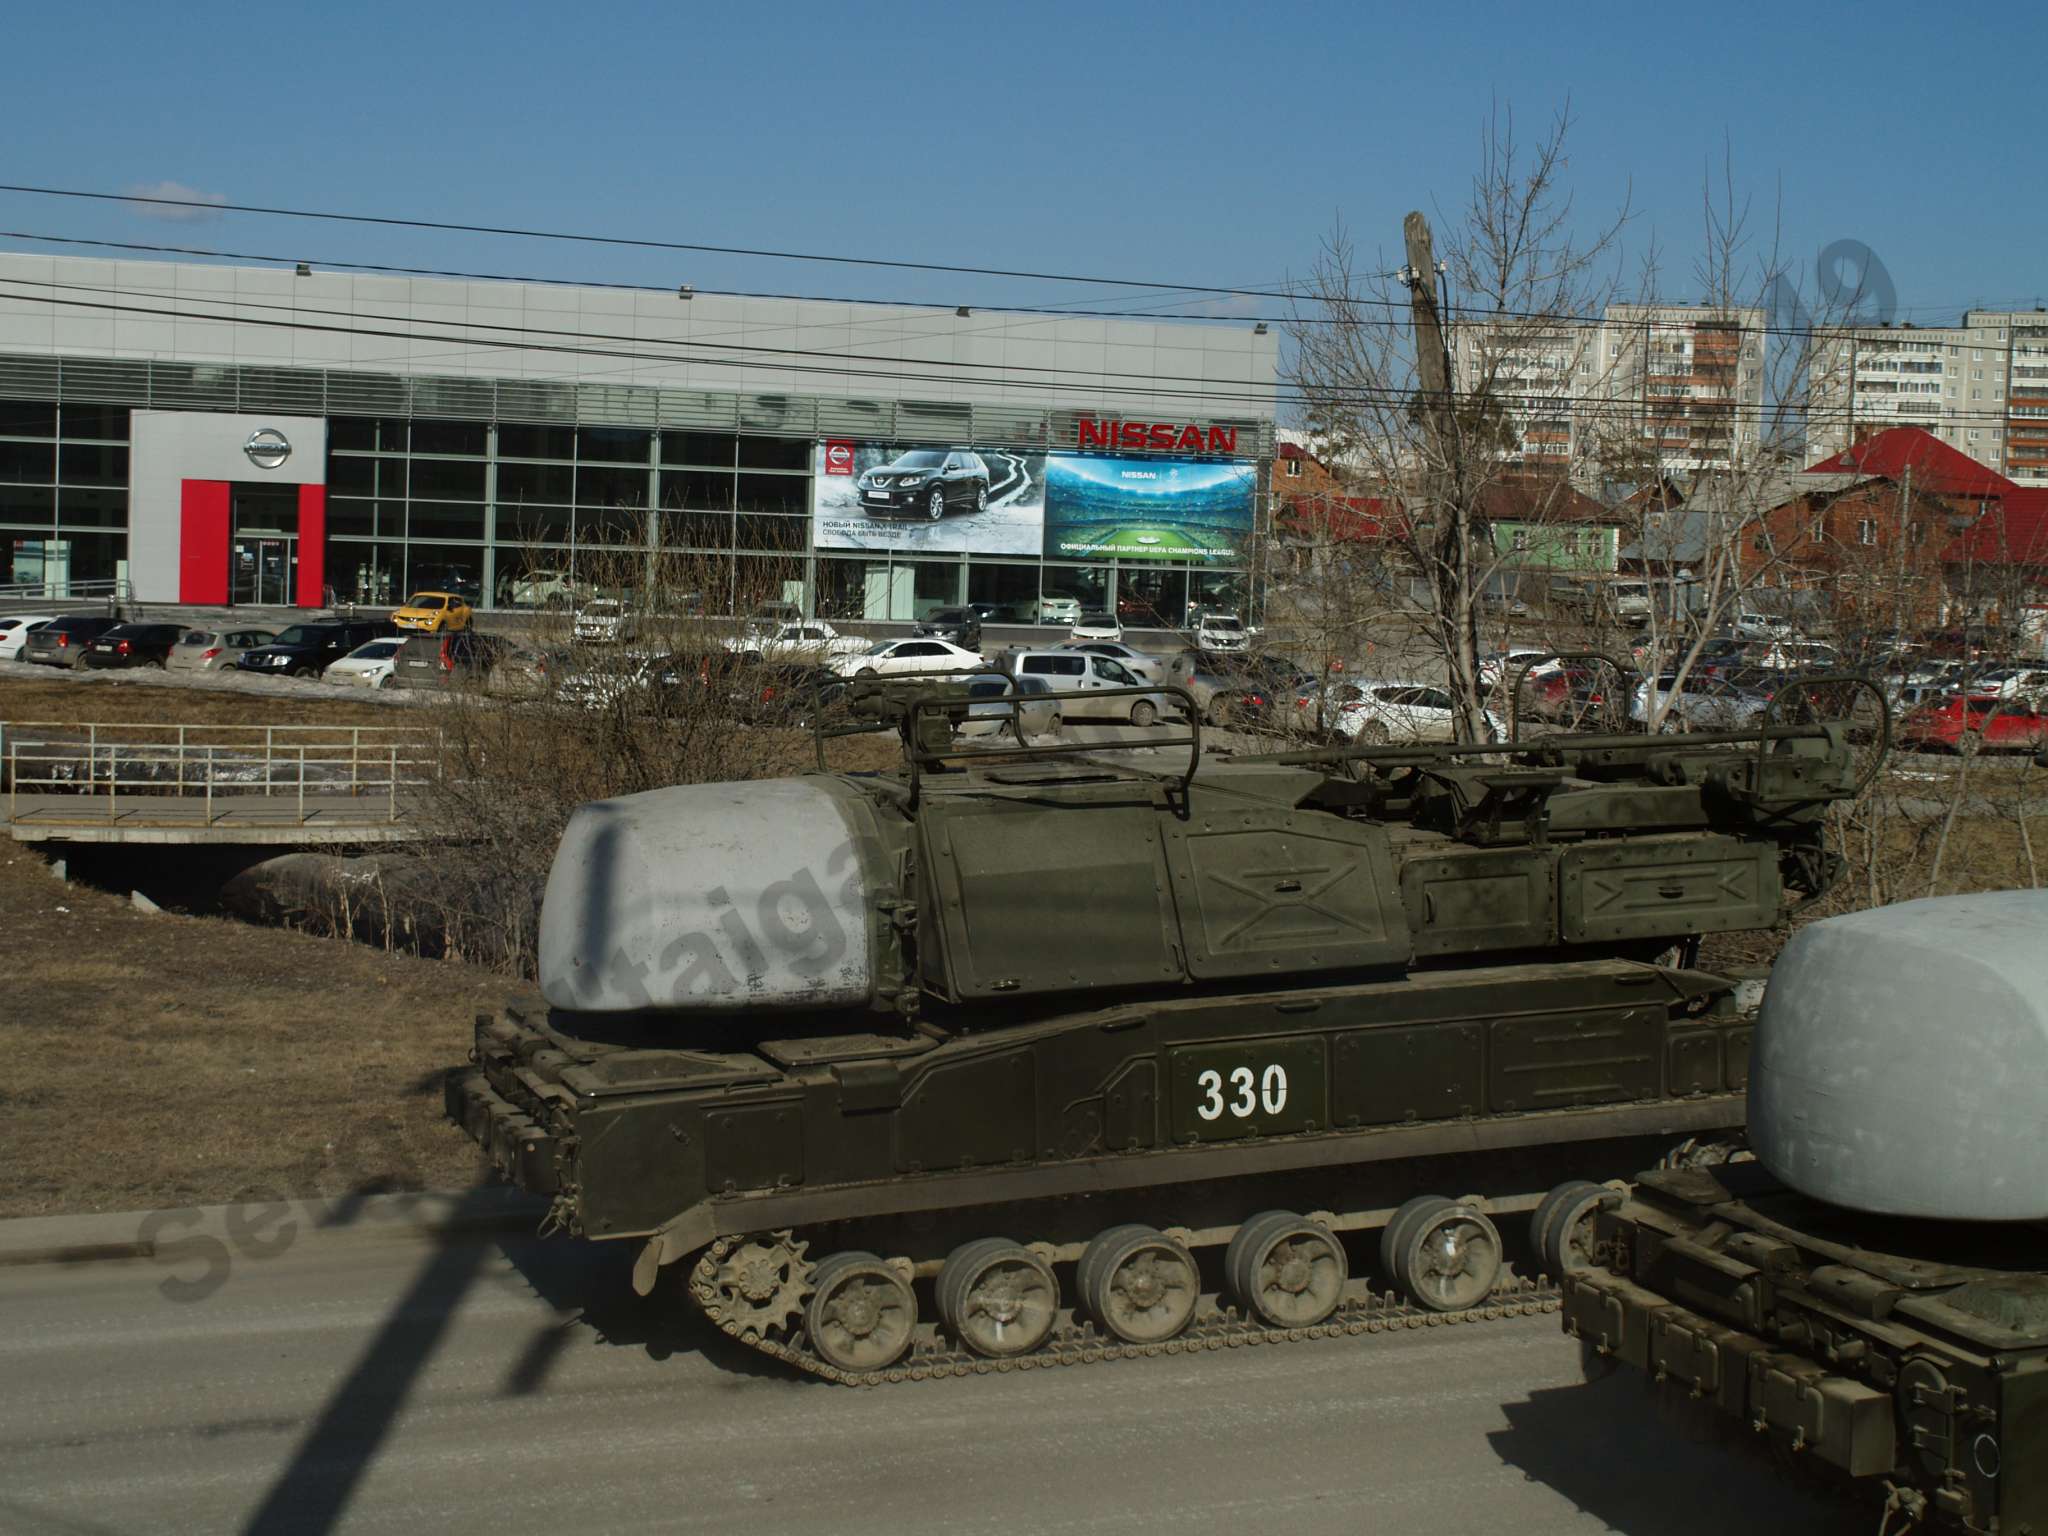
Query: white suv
point(1081, 671)
point(1221, 632)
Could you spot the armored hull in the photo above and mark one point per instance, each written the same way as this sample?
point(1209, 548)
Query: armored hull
point(1870, 1294)
point(928, 1072)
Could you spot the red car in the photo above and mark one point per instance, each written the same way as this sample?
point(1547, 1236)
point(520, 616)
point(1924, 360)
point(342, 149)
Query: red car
point(1991, 725)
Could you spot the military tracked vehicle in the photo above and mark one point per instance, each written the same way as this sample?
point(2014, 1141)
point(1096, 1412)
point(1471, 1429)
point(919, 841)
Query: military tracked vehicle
point(1068, 1053)
point(1868, 1294)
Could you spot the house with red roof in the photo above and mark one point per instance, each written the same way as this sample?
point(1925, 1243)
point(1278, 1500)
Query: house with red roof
point(1902, 527)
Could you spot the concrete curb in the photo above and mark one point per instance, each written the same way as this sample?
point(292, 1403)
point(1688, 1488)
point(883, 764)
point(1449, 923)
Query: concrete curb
point(430, 1216)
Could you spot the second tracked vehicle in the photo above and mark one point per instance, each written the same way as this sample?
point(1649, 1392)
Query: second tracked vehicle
point(1070, 1054)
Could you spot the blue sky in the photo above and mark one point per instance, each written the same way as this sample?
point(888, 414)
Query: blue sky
point(1196, 143)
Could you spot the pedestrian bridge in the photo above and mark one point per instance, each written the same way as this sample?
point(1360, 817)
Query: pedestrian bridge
point(291, 785)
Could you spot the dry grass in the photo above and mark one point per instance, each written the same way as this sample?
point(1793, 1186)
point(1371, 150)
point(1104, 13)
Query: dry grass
point(152, 703)
point(160, 1060)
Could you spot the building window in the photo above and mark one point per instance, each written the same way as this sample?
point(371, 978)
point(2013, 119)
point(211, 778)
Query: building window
point(1866, 531)
point(1293, 469)
point(1520, 539)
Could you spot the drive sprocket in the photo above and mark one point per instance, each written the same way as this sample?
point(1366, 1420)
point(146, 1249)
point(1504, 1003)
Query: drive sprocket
point(756, 1288)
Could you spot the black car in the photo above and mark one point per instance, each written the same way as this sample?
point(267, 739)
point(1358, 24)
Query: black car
point(133, 645)
point(962, 626)
point(305, 650)
point(927, 483)
point(62, 642)
point(434, 661)
point(785, 695)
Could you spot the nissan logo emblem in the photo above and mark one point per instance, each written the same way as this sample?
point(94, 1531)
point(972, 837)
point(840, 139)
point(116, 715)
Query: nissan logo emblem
point(267, 448)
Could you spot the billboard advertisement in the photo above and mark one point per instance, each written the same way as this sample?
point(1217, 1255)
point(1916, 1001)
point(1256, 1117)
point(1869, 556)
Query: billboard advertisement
point(1147, 509)
point(927, 499)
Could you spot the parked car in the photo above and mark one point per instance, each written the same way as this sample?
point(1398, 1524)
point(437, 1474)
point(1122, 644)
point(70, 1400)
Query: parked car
point(544, 589)
point(132, 645)
point(805, 640)
point(308, 649)
point(1075, 671)
point(1754, 624)
point(369, 665)
point(893, 657)
point(772, 614)
point(433, 612)
point(1507, 661)
point(605, 621)
point(927, 483)
point(215, 650)
point(1699, 704)
point(1221, 686)
point(962, 626)
point(526, 672)
point(1796, 656)
point(1096, 625)
point(1058, 608)
point(1147, 667)
point(63, 640)
point(15, 630)
point(1038, 714)
point(1972, 723)
point(1221, 632)
point(1397, 713)
point(787, 696)
point(434, 661)
point(2030, 683)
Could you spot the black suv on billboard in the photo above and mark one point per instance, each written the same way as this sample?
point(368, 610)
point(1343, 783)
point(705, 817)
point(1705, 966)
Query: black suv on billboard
point(925, 482)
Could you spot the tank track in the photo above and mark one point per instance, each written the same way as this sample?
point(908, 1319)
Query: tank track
point(1077, 1342)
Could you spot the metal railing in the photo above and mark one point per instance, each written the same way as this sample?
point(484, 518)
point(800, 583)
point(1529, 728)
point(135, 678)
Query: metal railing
point(225, 767)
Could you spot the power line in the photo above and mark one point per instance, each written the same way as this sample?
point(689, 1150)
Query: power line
point(329, 263)
point(1467, 316)
point(632, 242)
point(834, 363)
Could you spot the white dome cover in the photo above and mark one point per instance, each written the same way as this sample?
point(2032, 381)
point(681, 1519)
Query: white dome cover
point(708, 897)
point(1900, 1064)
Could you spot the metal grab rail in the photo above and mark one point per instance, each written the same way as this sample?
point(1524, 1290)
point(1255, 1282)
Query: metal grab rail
point(174, 763)
point(921, 756)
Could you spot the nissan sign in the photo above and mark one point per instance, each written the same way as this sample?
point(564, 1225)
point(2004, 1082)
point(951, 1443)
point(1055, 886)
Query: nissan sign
point(267, 448)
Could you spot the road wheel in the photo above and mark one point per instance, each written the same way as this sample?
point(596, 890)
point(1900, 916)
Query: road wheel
point(862, 1313)
point(1220, 709)
point(1445, 1256)
point(1969, 744)
point(1287, 1270)
point(1057, 722)
point(1140, 1284)
point(1372, 733)
point(935, 504)
point(998, 1298)
point(866, 672)
point(981, 498)
point(305, 672)
point(1143, 713)
point(1561, 1231)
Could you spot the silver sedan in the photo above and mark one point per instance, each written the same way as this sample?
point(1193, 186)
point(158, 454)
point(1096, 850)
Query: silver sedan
point(214, 650)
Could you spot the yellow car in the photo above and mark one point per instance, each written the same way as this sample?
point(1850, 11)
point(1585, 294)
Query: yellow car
point(433, 611)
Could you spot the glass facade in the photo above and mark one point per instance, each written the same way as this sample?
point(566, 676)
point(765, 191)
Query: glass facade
point(516, 515)
point(529, 514)
point(63, 493)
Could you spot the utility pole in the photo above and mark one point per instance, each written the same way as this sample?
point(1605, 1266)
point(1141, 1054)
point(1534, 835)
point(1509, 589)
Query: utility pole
point(1451, 565)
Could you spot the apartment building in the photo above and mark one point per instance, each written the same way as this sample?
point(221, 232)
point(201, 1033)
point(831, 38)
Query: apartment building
point(1649, 388)
point(1981, 387)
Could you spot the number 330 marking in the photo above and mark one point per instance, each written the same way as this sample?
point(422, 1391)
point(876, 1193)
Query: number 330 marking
point(1271, 1095)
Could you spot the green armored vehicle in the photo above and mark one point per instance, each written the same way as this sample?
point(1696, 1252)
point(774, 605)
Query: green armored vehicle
point(1869, 1294)
point(1067, 1053)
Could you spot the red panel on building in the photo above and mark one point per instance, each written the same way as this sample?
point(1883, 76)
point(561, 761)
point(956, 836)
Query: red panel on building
point(203, 541)
point(312, 546)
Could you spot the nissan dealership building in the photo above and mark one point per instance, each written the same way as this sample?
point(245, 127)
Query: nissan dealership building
point(239, 435)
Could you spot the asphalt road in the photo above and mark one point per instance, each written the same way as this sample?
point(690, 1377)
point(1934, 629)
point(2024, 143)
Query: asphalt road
point(391, 1386)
